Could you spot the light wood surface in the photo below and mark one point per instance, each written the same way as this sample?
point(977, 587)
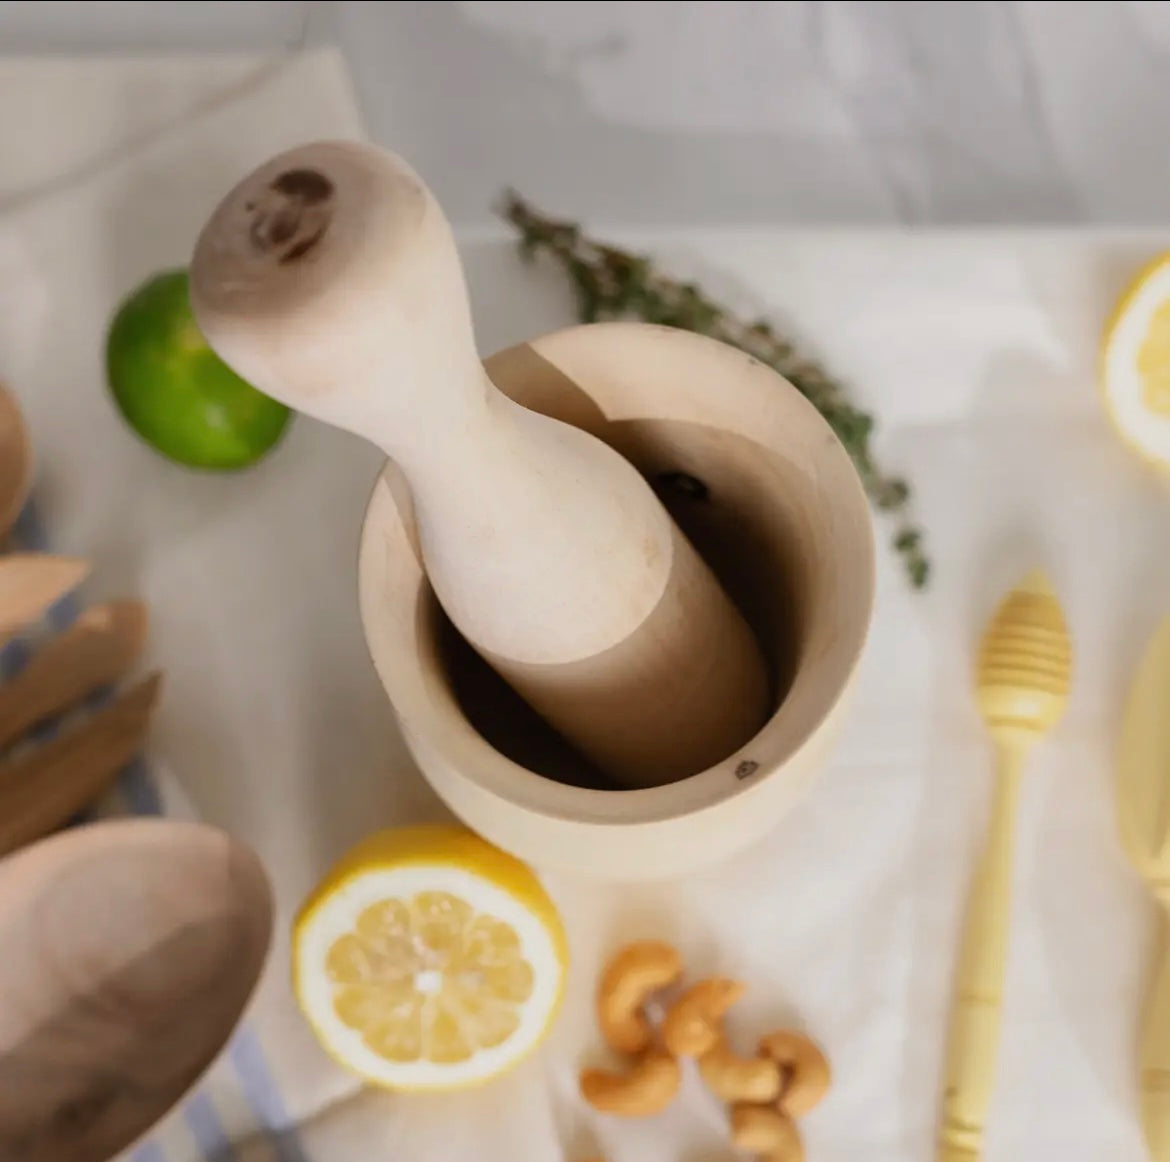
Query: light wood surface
point(131, 949)
point(15, 462)
point(1022, 687)
point(330, 279)
point(45, 786)
point(30, 583)
point(754, 477)
point(94, 652)
point(1143, 812)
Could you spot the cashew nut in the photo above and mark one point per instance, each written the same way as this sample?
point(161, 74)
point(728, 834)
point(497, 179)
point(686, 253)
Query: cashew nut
point(632, 975)
point(806, 1072)
point(647, 1089)
point(691, 1025)
point(766, 1131)
point(734, 1078)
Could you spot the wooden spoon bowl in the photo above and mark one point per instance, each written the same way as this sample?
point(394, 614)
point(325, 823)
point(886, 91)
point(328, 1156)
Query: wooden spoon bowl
point(130, 951)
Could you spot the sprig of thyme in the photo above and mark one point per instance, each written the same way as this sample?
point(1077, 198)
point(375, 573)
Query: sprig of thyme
point(612, 283)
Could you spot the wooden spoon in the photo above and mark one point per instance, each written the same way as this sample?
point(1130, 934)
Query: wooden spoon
point(1022, 687)
point(15, 462)
point(43, 789)
point(32, 582)
point(94, 652)
point(131, 949)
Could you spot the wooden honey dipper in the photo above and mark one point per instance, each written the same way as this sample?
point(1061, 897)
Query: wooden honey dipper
point(330, 279)
point(1022, 686)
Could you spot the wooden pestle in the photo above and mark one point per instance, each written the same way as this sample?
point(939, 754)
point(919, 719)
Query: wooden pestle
point(329, 278)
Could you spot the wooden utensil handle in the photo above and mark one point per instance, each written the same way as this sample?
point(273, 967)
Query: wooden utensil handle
point(1155, 1057)
point(975, 1014)
point(42, 789)
point(30, 583)
point(100, 646)
point(329, 278)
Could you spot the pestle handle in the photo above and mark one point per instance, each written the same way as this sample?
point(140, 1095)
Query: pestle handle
point(330, 279)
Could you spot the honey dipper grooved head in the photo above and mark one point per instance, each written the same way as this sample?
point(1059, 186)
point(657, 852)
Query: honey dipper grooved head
point(1025, 661)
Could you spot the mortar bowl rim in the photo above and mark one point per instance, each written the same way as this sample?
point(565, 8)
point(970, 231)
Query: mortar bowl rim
point(754, 401)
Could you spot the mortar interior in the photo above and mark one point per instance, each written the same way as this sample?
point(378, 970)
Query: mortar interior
point(740, 505)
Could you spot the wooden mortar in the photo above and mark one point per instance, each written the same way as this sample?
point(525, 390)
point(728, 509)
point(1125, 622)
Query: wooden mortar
point(764, 489)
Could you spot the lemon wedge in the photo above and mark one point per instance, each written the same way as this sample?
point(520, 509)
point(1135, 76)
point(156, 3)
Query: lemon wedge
point(1135, 364)
point(428, 959)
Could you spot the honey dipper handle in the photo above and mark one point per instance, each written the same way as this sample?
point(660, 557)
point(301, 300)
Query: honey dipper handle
point(1155, 1058)
point(975, 1015)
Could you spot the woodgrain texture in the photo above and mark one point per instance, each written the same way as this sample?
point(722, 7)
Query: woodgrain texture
point(95, 651)
point(130, 951)
point(330, 279)
point(48, 784)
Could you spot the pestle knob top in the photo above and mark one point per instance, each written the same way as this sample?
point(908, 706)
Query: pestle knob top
point(329, 278)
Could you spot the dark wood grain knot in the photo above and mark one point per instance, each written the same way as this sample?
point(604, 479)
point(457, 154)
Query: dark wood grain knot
point(309, 186)
point(292, 216)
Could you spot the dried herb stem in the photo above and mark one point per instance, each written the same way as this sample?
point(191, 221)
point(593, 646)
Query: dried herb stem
point(612, 283)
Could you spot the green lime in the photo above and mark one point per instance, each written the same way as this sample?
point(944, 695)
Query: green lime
point(175, 392)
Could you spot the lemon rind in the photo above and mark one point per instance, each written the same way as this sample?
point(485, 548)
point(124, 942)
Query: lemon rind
point(1125, 303)
point(433, 855)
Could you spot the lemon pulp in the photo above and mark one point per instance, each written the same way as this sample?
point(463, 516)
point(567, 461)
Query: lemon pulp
point(1135, 363)
point(1153, 362)
point(429, 978)
point(429, 959)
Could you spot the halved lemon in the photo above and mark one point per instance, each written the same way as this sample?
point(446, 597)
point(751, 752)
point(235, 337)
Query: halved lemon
point(1135, 363)
point(429, 959)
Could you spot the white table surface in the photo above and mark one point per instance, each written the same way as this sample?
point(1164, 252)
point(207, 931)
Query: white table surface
point(716, 111)
point(976, 352)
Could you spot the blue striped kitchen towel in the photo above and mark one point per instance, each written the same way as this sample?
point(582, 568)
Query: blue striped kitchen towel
point(237, 1114)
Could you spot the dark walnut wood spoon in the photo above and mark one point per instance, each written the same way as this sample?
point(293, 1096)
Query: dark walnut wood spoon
point(130, 950)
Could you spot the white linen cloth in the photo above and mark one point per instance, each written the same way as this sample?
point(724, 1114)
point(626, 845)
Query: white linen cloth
point(976, 352)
